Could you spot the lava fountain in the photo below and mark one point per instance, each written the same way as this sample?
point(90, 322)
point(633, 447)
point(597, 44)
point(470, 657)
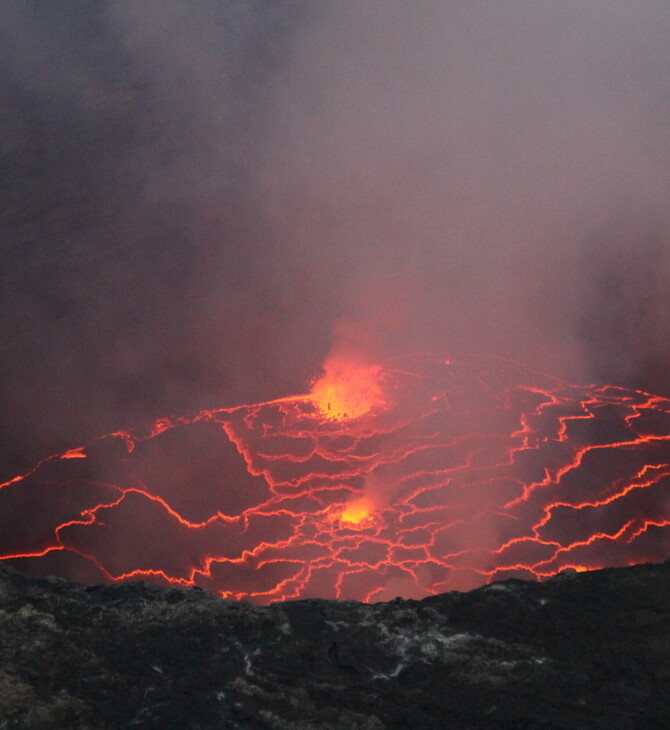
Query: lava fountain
point(348, 390)
point(410, 477)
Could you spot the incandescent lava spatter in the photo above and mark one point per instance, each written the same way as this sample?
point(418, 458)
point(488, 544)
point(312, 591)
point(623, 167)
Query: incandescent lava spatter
point(409, 477)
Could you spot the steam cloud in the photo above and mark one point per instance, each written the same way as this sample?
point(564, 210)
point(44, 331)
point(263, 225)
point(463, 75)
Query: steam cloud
point(197, 195)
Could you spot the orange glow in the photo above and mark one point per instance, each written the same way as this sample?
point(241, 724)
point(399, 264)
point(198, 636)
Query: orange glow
point(356, 512)
point(299, 498)
point(74, 454)
point(348, 390)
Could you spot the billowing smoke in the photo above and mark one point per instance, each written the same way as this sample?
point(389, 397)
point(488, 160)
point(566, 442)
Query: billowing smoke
point(496, 172)
point(199, 199)
point(140, 275)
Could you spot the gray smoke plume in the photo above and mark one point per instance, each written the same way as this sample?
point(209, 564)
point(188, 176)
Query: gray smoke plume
point(199, 199)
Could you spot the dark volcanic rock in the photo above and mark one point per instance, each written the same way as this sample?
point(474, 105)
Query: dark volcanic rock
point(585, 650)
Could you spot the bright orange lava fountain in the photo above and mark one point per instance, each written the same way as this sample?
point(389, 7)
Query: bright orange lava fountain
point(411, 478)
point(348, 390)
point(357, 511)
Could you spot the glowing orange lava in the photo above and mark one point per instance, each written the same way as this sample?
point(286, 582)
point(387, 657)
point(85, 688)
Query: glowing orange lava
point(412, 477)
point(357, 511)
point(348, 390)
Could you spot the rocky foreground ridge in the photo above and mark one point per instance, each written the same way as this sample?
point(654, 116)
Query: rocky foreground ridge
point(589, 650)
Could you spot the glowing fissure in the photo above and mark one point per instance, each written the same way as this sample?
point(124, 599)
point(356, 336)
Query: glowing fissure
point(411, 478)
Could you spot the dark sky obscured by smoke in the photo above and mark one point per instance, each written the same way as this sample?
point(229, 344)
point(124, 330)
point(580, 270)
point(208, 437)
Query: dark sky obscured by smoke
point(198, 199)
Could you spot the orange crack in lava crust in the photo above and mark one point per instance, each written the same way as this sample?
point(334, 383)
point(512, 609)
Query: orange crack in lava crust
point(410, 478)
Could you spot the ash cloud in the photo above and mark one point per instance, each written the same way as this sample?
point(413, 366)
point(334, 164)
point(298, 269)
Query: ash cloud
point(139, 277)
point(195, 194)
point(495, 168)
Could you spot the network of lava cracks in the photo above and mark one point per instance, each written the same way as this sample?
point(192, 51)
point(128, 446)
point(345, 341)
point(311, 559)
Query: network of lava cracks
point(408, 478)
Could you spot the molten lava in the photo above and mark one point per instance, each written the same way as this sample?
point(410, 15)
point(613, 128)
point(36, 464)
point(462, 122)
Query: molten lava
point(410, 478)
point(357, 511)
point(348, 390)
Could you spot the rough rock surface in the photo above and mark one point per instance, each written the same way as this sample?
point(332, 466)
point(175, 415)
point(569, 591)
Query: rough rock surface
point(587, 650)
